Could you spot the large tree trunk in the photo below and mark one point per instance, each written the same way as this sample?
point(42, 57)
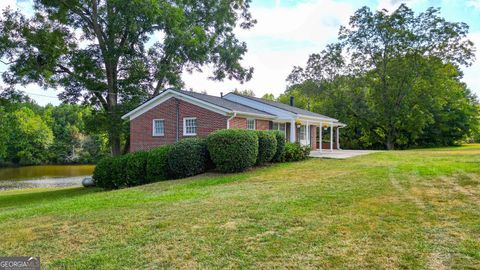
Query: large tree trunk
point(114, 128)
point(389, 144)
point(114, 140)
point(115, 123)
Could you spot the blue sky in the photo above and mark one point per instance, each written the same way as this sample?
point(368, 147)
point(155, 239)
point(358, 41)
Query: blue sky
point(289, 30)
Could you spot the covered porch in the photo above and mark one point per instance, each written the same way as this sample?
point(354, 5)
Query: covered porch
point(319, 135)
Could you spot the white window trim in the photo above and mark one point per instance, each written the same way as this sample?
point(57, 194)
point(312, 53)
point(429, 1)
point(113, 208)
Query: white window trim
point(153, 128)
point(304, 133)
point(185, 126)
point(280, 123)
point(254, 123)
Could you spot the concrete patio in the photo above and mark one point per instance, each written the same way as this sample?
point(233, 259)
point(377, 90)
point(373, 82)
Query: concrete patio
point(340, 154)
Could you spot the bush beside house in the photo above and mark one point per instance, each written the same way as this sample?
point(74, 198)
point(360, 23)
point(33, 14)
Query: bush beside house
point(280, 153)
point(267, 146)
point(102, 173)
point(136, 168)
point(229, 150)
point(157, 164)
point(233, 150)
point(188, 157)
point(296, 152)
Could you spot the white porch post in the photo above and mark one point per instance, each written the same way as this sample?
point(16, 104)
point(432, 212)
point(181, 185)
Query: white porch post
point(338, 138)
point(307, 134)
point(331, 137)
point(292, 131)
point(320, 135)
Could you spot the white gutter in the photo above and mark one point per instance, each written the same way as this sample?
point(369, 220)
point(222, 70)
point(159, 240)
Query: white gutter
point(228, 120)
point(265, 116)
point(313, 118)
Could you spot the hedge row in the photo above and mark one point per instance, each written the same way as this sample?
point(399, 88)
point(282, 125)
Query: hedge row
point(182, 159)
point(229, 150)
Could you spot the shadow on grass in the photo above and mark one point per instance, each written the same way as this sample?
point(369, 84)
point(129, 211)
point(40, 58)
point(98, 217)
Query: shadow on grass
point(21, 199)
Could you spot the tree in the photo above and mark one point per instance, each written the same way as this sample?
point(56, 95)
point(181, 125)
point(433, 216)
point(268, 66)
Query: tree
point(73, 142)
point(381, 73)
point(4, 134)
point(269, 96)
point(29, 137)
point(100, 52)
point(245, 92)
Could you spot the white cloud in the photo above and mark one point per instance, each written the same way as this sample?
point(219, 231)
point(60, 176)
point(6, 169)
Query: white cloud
point(282, 38)
point(474, 4)
point(311, 21)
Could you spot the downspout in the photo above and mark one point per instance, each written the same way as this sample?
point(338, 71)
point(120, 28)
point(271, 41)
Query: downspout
point(177, 109)
point(228, 120)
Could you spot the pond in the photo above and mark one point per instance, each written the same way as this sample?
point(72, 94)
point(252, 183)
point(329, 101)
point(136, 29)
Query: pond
point(43, 176)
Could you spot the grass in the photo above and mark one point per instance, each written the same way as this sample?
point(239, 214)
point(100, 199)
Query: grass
point(407, 209)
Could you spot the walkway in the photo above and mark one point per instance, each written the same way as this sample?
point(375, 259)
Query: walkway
point(340, 154)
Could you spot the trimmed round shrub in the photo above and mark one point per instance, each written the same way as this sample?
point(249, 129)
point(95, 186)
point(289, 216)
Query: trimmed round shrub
point(136, 168)
point(188, 157)
point(267, 146)
point(157, 164)
point(102, 174)
point(118, 171)
point(280, 153)
point(110, 172)
point(293, 152)
point(233, 150)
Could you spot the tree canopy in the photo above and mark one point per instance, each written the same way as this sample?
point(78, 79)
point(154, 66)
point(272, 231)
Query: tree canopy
point(32, 134)
point(394, 78)
point(113, 54)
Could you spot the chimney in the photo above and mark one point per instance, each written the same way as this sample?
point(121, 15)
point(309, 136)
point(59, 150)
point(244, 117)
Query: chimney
point(221, 94)
point(292, 101)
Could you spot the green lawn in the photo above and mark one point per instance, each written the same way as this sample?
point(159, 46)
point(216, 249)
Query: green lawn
point(414, 209)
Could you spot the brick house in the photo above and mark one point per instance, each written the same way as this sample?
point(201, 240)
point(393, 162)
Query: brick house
point(177, 114)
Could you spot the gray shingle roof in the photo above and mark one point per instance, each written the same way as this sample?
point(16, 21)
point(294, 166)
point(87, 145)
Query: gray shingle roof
point(224, 103)
point(287, 107)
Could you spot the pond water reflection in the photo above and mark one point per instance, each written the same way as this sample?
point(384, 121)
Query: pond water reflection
point(43, 176)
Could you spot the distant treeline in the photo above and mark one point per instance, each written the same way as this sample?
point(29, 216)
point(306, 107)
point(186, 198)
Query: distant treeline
point(31, 134)
point(395, 85)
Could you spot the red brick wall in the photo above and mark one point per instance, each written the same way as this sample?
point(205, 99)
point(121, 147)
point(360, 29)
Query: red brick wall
point(141, 127)
point(326, 145)
point(262, 124)
point(240, 122)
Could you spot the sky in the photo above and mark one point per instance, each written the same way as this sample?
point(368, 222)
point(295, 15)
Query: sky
point(287, 32)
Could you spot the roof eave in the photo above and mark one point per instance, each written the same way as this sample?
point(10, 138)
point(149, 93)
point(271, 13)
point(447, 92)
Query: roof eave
point(200, 102)
point(254, 115)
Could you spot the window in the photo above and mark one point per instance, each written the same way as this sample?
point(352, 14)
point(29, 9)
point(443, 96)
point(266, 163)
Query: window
point(158, 127)
point(189, 126)
point(302, 132)
point(250, 123)
point(279, 126)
